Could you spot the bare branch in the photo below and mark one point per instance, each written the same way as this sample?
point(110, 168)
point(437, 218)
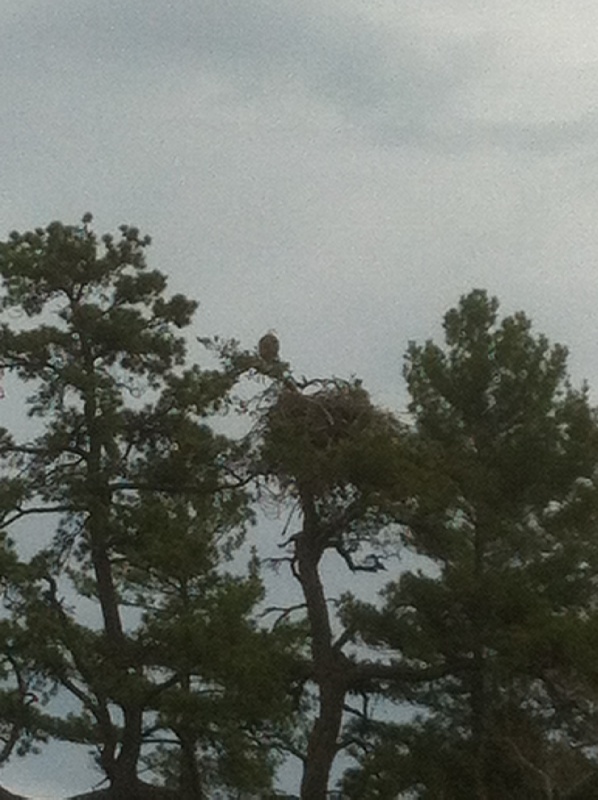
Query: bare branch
point(20, 513)
point(284, 612)
point(405, 673)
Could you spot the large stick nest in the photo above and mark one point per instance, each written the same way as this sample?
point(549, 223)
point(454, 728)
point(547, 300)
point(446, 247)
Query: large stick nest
point(325, 438)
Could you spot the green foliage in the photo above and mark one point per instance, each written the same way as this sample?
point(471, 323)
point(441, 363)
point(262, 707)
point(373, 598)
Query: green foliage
point(145, 510)
point(507, 521)
point(128, 604)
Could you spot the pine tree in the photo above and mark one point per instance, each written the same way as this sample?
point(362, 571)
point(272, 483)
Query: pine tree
point(343, 465)
point(505, 523)
point(137, 502)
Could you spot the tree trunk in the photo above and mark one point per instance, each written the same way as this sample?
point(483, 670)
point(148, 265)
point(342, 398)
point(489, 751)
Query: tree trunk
point(478, 696)
point(124, 778)
point(191, 785)
point(121, 769)
point(330, 666)
point(323, 740)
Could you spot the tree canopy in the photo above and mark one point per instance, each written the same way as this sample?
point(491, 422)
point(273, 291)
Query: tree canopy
point(141, 619)
point(509, 538)
point(145, 508)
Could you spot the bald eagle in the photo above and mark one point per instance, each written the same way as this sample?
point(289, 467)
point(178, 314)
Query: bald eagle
point(268, 347)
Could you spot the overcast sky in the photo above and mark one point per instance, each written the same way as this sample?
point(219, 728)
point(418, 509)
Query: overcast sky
point(339, 170)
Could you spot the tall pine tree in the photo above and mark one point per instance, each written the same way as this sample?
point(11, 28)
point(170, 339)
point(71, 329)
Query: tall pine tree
point(137, 503)
point(506, 522)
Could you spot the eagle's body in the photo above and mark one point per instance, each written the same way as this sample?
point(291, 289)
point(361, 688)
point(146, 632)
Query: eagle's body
point(268, 347)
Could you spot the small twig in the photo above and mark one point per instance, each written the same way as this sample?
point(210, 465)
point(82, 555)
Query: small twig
point(283, 612)
point(274, 563)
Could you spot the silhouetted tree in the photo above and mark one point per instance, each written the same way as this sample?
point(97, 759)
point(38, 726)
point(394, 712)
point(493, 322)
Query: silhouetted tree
point(506, 523)
point(139, 506)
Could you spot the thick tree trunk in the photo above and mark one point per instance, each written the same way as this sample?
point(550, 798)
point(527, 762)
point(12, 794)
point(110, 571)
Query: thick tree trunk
point(478, 694)
point(330, 666)
point(124, 777)
point(121, 769)
point(191, 787)
point(98, 522)
point(323, 740)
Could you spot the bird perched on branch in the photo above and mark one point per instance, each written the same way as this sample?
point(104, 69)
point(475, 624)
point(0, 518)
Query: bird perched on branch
point(268, 347)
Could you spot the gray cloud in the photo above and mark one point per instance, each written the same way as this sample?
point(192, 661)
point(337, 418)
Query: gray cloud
point(394, 84)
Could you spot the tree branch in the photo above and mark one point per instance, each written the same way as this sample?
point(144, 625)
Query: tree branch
point(20, 513)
